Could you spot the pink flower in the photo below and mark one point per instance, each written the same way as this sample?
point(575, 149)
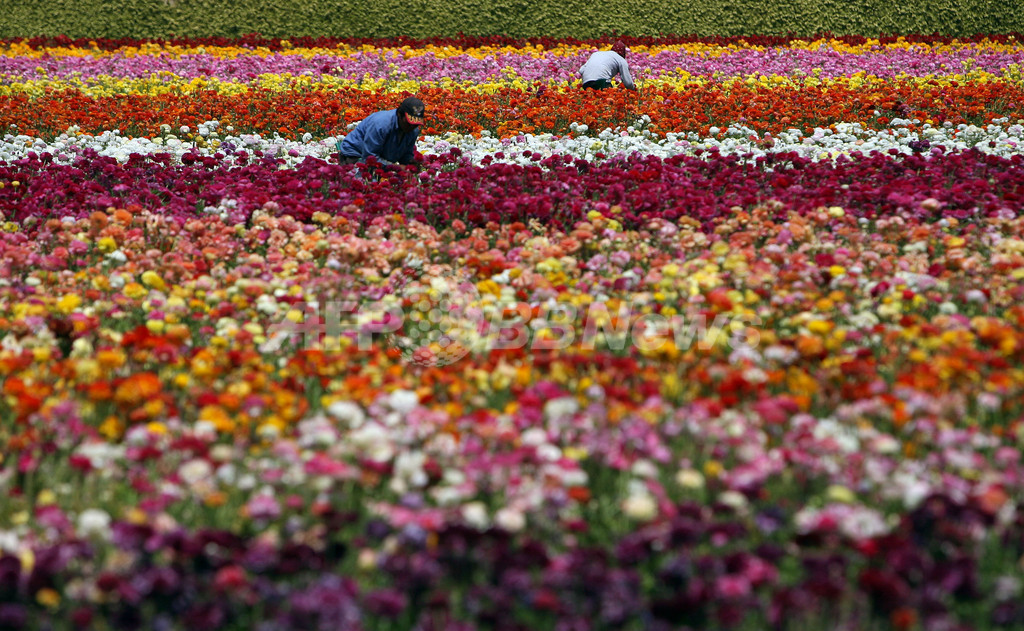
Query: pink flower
point(263, 506)
point(732, 586)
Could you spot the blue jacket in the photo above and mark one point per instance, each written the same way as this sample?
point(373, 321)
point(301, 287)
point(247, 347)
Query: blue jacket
point(379, 135)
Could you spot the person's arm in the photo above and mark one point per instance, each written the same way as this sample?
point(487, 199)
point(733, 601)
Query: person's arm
point(627, 79)
point(583, 68)
point(350, 144)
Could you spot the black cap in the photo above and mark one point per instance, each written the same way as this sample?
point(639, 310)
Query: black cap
point(413, 106)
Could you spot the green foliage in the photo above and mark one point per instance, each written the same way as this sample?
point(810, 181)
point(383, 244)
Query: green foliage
point(515, 18)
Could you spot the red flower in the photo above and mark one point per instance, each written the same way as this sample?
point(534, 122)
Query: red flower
point(230, 578)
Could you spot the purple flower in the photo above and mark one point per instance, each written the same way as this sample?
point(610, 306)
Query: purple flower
point(388, 603)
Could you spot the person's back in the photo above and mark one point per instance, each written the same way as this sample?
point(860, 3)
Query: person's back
point(603, 66)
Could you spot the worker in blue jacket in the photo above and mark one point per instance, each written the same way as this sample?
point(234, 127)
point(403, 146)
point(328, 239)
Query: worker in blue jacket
point(390, 136)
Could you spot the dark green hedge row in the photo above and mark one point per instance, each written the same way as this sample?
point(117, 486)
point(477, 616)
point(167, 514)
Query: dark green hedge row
point(515, 18)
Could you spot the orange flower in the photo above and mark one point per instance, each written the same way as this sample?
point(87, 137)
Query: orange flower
point(137, 389)
point(903, 619)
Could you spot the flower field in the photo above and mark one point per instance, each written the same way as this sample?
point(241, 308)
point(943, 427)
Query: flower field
point(741, 350)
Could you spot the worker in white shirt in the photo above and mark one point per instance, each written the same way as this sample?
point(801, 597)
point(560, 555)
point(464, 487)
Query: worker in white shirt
point(603, 65)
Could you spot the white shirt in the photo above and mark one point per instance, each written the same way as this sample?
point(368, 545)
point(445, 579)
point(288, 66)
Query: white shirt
point(605, 64)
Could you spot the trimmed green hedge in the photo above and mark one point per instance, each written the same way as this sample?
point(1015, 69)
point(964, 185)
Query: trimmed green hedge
point(515, 18)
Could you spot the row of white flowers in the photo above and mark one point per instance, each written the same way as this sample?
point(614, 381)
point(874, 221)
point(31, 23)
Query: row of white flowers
point(1000, 138)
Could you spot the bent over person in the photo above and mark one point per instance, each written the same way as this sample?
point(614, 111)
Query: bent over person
point(603, 65)
point(390, 136)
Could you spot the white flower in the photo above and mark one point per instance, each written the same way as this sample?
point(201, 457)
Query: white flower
point(549, 452)
point(690, 479)
point(9, 541)
point(534, 437)
point(510, 519)
point(733, 499)
point(403, 401)
point(1007, 588)
point(373, 442)
point(93, 522)
point(409, 468)
point(222, 453)
point(863, 524)
point(560, 407)
point(475, 514)
point(101, 455)
point(828, 428)
point(976, 295)
point(317, 431)
point(447, 495)
point(227, 473)
point(643, 468)
point(640, 506)
point(195, 471)
point(246, 482)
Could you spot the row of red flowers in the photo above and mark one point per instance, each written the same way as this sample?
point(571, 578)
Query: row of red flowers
point(255, 40)
point(961, 185)
point(693, 108)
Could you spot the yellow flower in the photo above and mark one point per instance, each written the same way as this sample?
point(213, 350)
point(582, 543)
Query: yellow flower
point(136, 516)
point(820, 327)
point(153, 407)
point(489, 287)
point(713, 468)
point(575, 453)
point(48, 598)
point(215, 499)
point(134, 291)
point(152, 279)
point(26, 556)
point(720, 248)
point(839, 493)
point(111, 358)
point(68, 303)
point(111, 428)
point(218, 417)
point(46, 497)
point(106, 244)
